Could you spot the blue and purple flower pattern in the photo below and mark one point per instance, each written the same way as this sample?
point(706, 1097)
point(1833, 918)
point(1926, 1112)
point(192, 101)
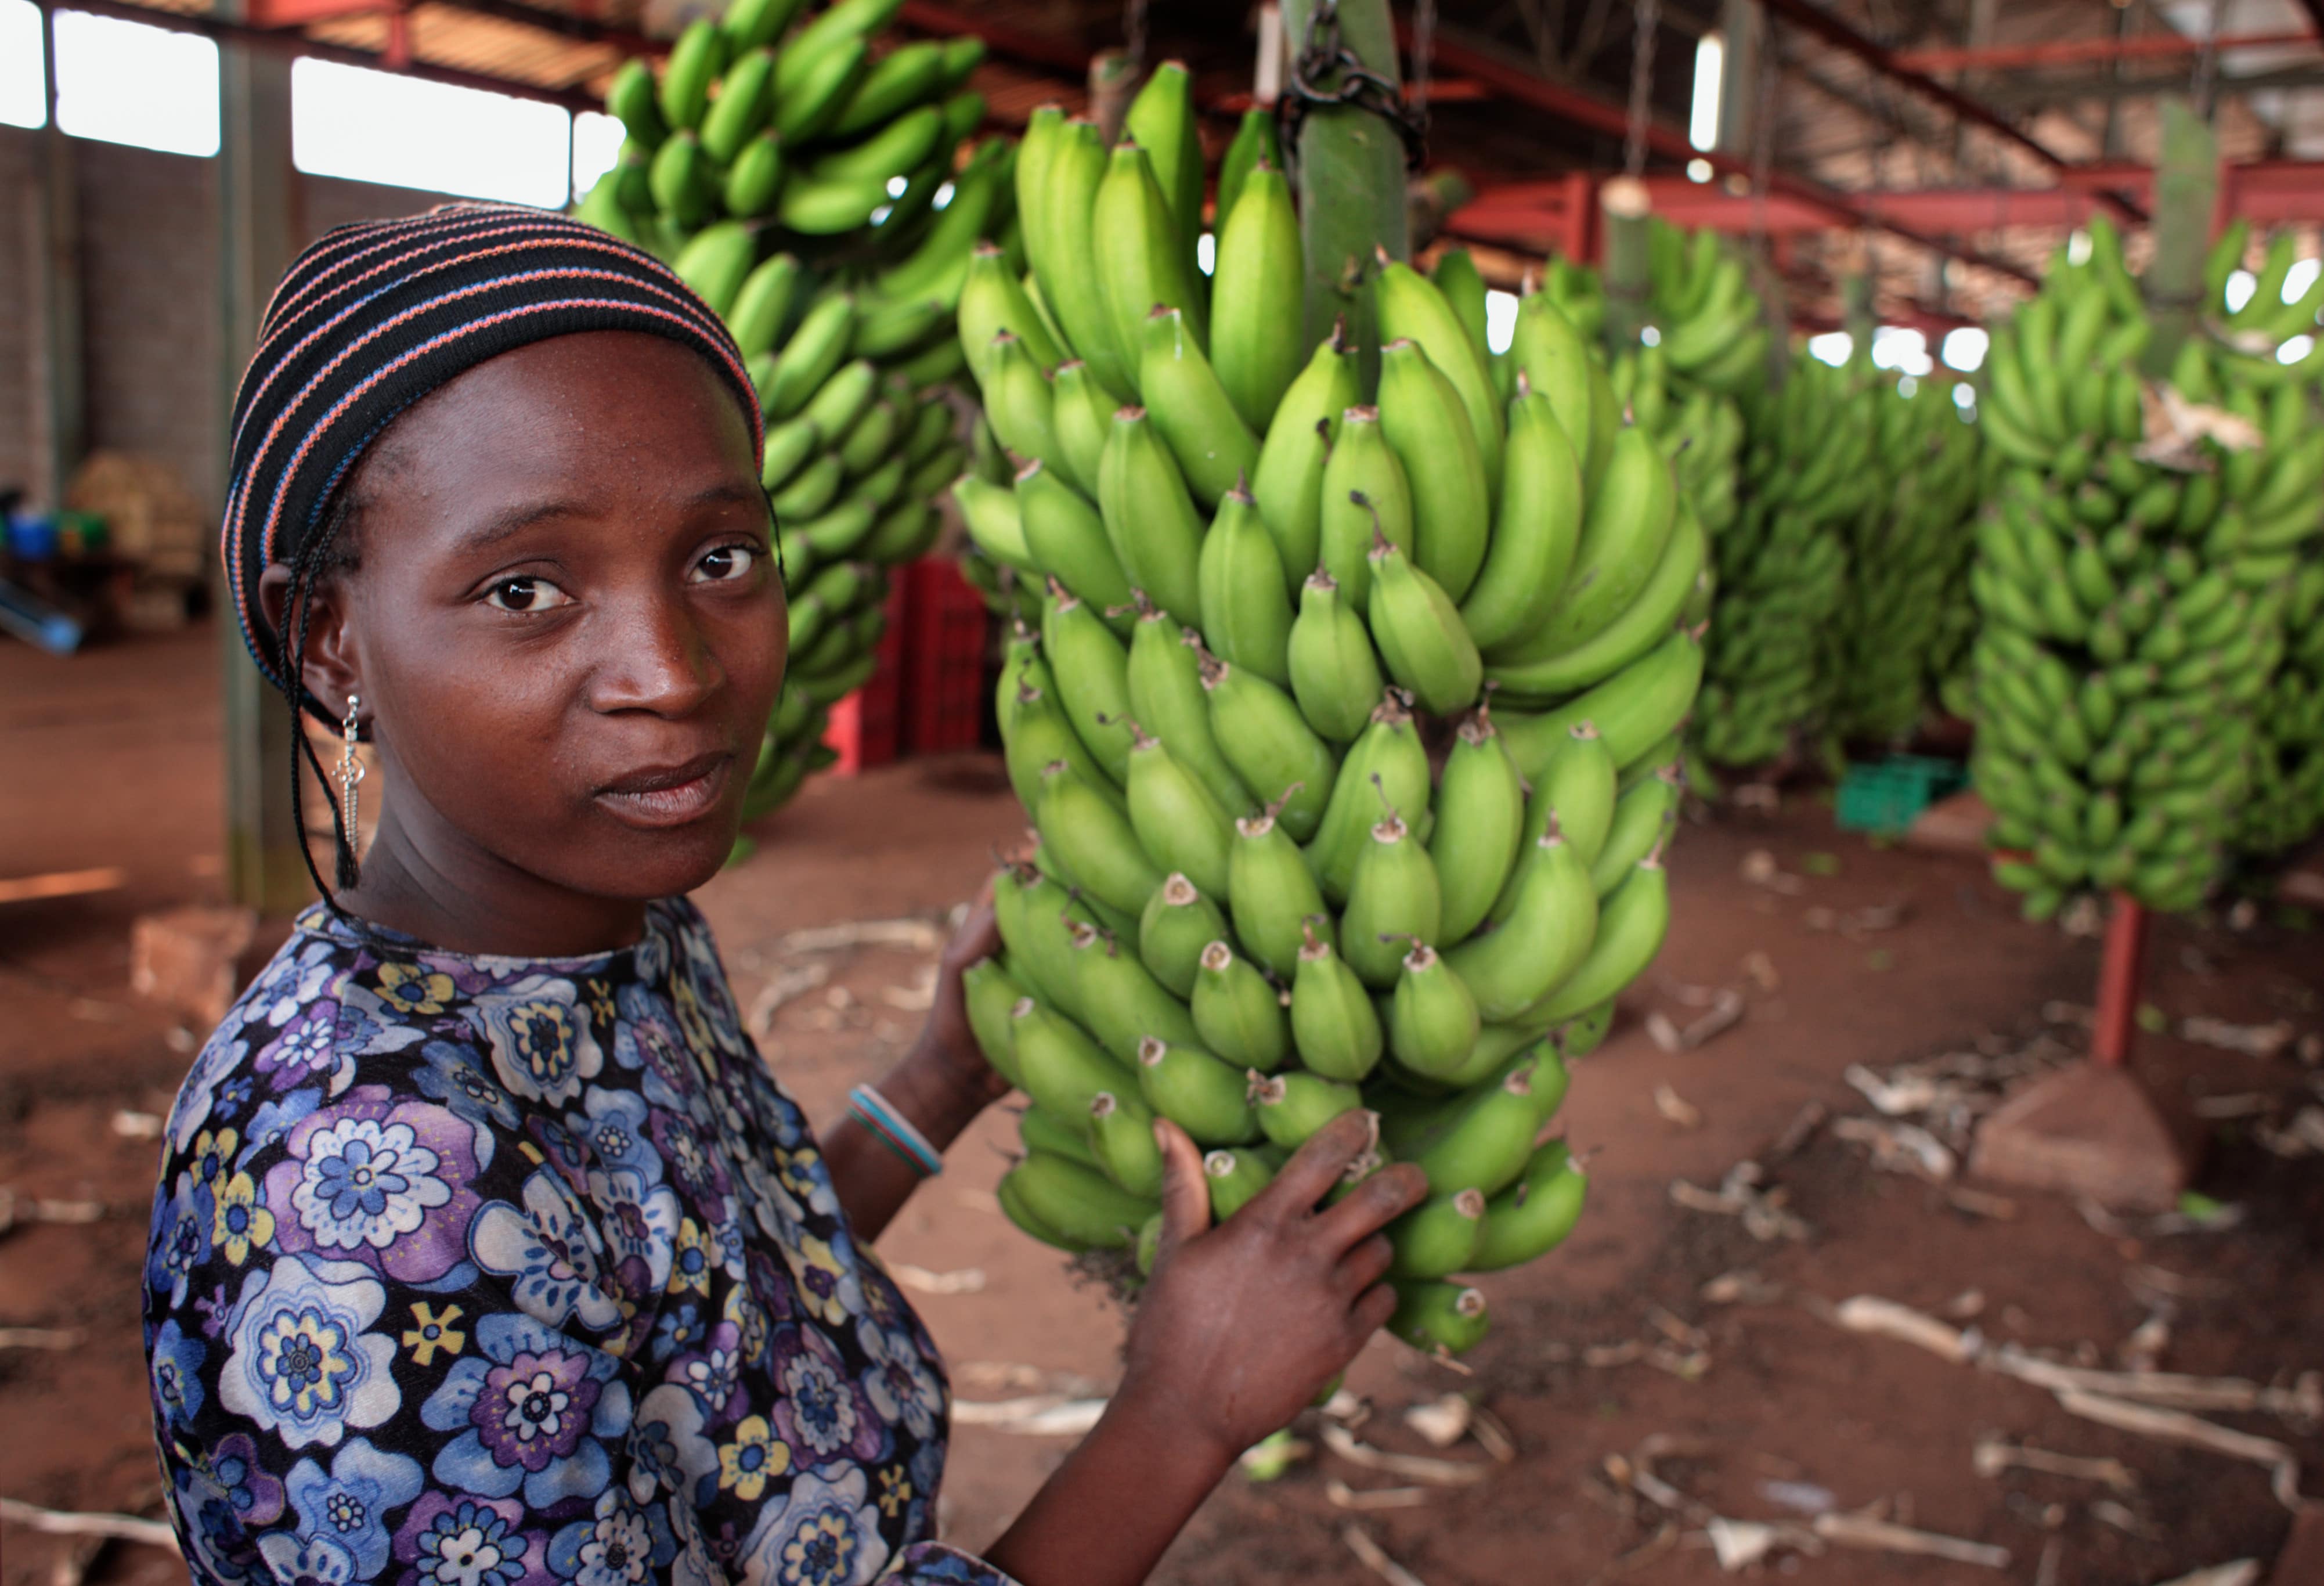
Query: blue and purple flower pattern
point(479, 1271)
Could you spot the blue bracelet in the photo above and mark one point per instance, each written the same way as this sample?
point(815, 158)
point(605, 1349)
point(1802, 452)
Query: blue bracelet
point(875, 1113)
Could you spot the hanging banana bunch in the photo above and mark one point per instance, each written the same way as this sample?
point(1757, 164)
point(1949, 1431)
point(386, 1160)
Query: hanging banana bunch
point(1256, 898)
point(1908, 556)
point(2286, 807)
point(2135, 571)
point(796, 177)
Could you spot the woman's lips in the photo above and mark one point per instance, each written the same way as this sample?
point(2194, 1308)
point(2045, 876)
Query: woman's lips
point(670, 796)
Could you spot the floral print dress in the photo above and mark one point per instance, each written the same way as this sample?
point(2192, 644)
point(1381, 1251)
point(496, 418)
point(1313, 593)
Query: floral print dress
point(486, 1271)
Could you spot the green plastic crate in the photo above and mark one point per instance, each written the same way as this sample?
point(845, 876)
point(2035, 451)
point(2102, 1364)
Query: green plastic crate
point(1887, 796)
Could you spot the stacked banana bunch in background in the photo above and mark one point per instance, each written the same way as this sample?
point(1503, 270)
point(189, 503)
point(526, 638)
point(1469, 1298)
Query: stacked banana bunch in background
point(2287, 796)
point(1907, 615)
point(1287, 864)
point(2135, 573)
point(811, 188)
point(1808, 475)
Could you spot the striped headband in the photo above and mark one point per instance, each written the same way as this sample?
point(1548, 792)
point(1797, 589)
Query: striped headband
point(376, 315)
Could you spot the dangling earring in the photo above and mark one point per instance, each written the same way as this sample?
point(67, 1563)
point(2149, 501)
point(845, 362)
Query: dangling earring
point(350, 774)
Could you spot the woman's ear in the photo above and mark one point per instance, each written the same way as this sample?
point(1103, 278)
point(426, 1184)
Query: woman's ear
point(331, 668)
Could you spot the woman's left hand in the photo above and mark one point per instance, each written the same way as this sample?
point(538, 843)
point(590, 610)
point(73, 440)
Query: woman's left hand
point(947, 1039)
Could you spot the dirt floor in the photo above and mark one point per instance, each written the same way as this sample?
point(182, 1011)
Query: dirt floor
point(1761, 1407)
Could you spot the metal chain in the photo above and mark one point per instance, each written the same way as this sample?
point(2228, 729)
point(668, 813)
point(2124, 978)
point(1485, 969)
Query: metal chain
point(1642, 83)
point(2207, 60)
point(1322, 56)
point(1763, 130)
point(1133, 34)
point(1423, 53)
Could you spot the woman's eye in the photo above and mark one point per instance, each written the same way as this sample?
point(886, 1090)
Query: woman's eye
point(726, 564)
point(526, 594)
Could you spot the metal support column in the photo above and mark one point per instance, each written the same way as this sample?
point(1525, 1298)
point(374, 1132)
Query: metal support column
point(264, 869)
point(52, 238)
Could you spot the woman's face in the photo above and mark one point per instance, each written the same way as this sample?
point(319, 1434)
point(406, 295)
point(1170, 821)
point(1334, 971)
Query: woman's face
point(567, 629)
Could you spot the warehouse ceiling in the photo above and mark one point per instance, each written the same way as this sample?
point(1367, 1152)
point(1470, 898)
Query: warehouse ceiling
point(1865, 96)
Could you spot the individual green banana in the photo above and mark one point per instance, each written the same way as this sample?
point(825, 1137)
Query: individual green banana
point(1438, 1238)
point(1580, 792)
point(1533, 1216)
point(812, 355)
point(1333, 1023)
point(1077, 1203)
point(1177, 922)
point(695, 62)
point(632, 99)
point(1149, 516)
point(1386, 767)
point(1066, 259)
point(1431, 1017)
point(992, 995)
point(1394, 898)
point(1043, 1132)
point(1091, 671)
point(1551, 922)
point(905, 76)
point(1237, 1012)
point(1167, 698)
point(1196, 1091)
point(789, 447)
point(1554, 358)
point(1095, 840)
point(1365, 493)
point(1631, 518)
point(1455, 275)
point(1139, 261)
point(1246, 619)
point(1273, 894)
point(1482, 1140)
point(1453, 472)
point(1161, 120)
point(1275, 755)
point(1215, 450)
point(1412, 309)
point(1176, 820)
point(992, 300)
point(1438, 1317)
point(994, 521)
point(1122, 1135)
point(1288, 479)
point(1082, 415)
point(1062, 1068)
point(1121, 1000)
point(1065, 536)
point(1481, 807)
point(1292, 1106)
point(808, 99)
point(1235, 1177)
point(1334, 676)
point(1536, 529)
point(1420, 634)
point(992, 307)
point(1631, 925)
point(685, 189)
point(1029, 908)
point(1255, 288)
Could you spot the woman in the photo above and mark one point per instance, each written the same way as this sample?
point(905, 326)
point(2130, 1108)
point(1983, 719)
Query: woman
point(486, 1251)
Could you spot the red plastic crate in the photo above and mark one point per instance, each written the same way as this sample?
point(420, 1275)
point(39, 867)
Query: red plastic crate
point(944, 660)
point(863, 726)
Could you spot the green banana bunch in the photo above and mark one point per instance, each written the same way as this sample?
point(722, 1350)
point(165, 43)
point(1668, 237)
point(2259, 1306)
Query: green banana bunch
point(1908, 556)
point(1252, 887)
point(2140, 678)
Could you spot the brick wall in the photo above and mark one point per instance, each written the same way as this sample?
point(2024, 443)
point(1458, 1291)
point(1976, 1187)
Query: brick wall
point(153, 363)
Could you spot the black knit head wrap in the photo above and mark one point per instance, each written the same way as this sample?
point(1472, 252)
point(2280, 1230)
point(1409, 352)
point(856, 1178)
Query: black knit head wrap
point(372, 317)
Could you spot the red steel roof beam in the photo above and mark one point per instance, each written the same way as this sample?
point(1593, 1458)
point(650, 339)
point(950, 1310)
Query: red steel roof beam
point(1839, 34)
point(2087, 51)
point(1586, 110)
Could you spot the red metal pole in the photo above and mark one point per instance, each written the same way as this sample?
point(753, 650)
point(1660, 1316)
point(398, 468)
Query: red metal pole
point(2117, 1008)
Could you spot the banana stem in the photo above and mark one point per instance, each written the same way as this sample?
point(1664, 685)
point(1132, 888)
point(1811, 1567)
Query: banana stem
point(2186, 197)
point(1351, 198)
point(1626, 208)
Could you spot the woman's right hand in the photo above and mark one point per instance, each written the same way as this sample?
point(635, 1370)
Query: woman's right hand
point(1245, 1323)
